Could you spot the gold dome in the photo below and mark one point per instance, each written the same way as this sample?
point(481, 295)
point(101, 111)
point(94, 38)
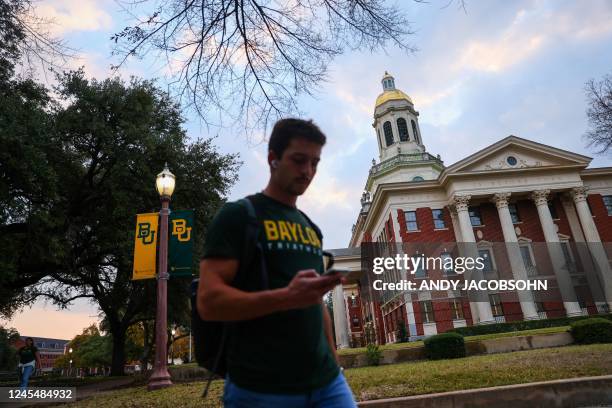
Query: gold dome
point(391, 95)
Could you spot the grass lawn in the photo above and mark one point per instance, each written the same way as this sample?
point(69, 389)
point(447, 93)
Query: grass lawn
point(395, 346)
point(405, 379)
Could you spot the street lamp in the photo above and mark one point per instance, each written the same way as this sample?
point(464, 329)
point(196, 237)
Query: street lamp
point(161, 377)
point(172, 347)
point(70, 366)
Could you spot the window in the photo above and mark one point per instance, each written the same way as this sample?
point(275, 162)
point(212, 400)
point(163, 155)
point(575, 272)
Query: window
point(514, 213)
point(355, 322)
point(527, 260)
point(427, 313)
point(567, 256)
point(485, 254)
point(438, 219)
point(446, 259)
point(388, 133)
point(456, 308)
point(417, 178)
point(511, 160)
point(420, 272)
point(496, 305)
point(608, 203)
point(475, 218)
point(402, 128)
point(382, 237)
point(553, 211)
point(411, 221)
point(414, 131)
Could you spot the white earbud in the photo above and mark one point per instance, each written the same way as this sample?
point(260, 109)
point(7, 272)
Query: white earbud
point(274, 163)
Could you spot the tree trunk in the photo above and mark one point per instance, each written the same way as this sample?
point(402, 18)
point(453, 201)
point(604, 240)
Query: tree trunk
point(118, 360)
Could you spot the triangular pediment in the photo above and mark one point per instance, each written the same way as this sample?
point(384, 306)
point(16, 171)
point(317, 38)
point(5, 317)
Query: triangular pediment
point(514, 153)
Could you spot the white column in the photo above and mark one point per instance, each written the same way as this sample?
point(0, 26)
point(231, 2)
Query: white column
point(584, 255)
point(461, 202)
point(340, 322)
point(459, 238)
point(528, 307)
point(594, 242)
point(412, 329)
point(540, 198)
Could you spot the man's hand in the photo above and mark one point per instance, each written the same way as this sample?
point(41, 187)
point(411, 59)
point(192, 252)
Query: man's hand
point(308, 287)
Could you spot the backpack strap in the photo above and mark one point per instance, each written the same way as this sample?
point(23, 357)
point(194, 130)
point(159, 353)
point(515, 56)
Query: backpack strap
point(252, 246)
point(314, 226)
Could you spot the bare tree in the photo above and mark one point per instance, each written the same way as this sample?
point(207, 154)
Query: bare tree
point(599, 112)
point(250, 59)
point(27, 41)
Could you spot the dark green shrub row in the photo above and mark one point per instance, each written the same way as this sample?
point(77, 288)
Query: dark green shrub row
point(594, 330)
point(445, 345)
point(521, 325)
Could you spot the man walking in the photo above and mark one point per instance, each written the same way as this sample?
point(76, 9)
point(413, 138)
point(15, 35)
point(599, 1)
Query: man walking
point(281, 351)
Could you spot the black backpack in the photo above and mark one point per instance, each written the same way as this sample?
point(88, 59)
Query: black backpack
point(210, 337)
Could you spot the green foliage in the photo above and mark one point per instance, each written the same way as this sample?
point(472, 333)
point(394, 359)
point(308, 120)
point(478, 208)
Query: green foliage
point(445, 345)
point(521, 325)
point(8, 353)
point(592, 330)
point(79, 169)
point(402, 335)
point(373, 354)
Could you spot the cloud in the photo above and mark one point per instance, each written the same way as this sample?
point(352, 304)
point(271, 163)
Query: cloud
point(532, 30)
point(74, 15)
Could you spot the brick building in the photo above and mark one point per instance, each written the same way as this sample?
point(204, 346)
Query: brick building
point(528, 209)
point(48, 349)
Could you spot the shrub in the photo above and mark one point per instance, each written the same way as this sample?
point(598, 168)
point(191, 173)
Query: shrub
point(593, 330)
point(445, 345)
point(521, 325)
point(373, 354)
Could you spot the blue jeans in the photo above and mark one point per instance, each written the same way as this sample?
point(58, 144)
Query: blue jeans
point(26, 372)
point(336, 394)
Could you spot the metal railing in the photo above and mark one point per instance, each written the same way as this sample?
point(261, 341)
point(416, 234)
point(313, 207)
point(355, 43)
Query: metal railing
point(402, 158)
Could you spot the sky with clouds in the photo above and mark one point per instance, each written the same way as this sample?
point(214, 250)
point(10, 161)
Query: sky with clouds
point(480, 74)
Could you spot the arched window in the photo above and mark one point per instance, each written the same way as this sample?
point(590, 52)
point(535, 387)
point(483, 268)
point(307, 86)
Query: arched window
point(402, 128)
point(388, 133)
point(415, 131)
point(418, 178)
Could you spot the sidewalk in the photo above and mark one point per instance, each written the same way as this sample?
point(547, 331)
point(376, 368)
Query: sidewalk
point(581, 392)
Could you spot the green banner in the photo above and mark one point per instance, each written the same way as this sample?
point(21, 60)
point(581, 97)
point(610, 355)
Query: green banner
point(180, 249)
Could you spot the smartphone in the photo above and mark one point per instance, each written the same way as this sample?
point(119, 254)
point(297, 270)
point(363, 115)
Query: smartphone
point(335, 269)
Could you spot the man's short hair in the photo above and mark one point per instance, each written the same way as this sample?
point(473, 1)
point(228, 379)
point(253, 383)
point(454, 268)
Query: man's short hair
point(287, 129)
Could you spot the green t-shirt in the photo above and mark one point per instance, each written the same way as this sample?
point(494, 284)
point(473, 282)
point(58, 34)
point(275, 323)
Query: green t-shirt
point(27, 354)
point(284, 352)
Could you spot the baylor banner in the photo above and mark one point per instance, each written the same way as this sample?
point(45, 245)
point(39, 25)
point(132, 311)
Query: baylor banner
point(180, 251)
point(145, 246)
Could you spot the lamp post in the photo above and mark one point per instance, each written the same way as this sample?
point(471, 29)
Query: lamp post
point(172, 347)
point(70, 366)
point(161, 377)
